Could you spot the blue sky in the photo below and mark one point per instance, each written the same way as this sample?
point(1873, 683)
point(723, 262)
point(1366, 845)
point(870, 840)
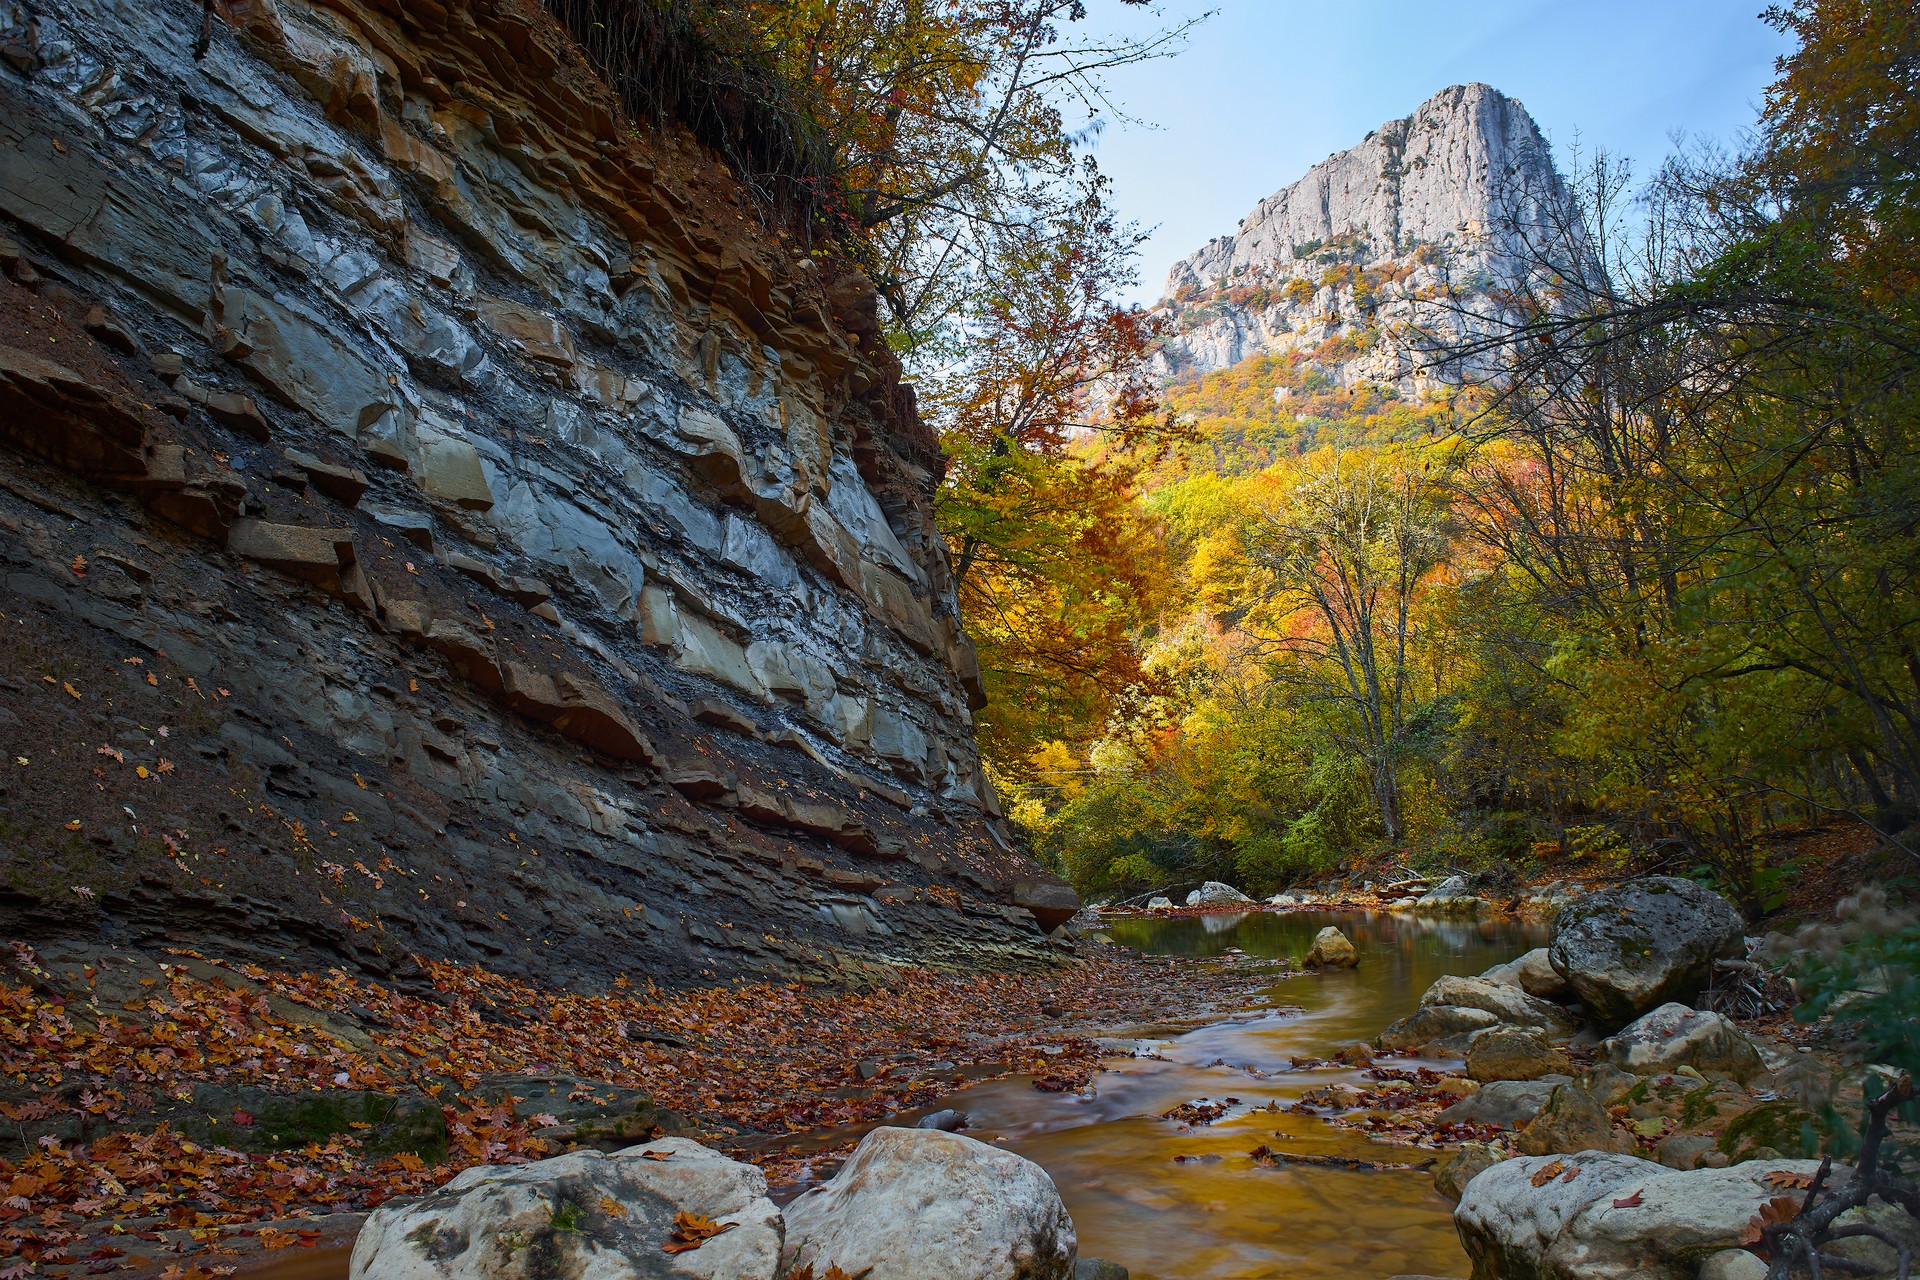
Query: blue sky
point(1268, 88)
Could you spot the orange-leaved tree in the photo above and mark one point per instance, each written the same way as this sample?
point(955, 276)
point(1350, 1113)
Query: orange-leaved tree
point(1048, 414)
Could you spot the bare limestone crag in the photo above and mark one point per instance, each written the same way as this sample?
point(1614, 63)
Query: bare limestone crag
point(437, 518)
point(1389, 245)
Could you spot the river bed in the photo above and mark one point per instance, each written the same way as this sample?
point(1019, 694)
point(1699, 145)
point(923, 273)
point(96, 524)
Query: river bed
point(1226, 1218)
point(1113, 1158)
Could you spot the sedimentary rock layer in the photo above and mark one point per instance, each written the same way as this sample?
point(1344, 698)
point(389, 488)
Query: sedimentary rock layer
point(436, 516)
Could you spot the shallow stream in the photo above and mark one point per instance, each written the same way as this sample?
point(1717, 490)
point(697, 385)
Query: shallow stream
point(1113, 1157)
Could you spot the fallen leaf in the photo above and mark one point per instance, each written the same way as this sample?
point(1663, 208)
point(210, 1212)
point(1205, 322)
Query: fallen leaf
point(612, 1208)
point(79, 566)
point(1570, 1174)
point(1547, 1173)
point(691, 1230)
point(656, 1155)
point(1633, 1201)
point(1787, 1180)
point(1774, 1212)
point(68, 686)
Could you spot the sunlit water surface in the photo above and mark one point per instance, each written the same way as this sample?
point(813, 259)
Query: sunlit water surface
point(1113, 1157)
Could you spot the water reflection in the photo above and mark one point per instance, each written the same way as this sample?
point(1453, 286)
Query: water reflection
point(1225, 1218)
point(1217, 1216)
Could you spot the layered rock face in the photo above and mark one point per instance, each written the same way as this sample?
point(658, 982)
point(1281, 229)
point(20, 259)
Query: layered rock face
point(1399, 241)
point(437, 518)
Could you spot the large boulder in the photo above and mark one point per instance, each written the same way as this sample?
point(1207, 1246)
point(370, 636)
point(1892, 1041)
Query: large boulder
point(1533, 973)
point(1509, 1004)
point(1331, 949)
point(1514, 1053)
point(585, 1215)
point(1434, 1022)
point(1569, 1226)
point(1158, 903)
point(1637, 945)
point(1675, 1036)
point(919, 1204)
point(1215, 894)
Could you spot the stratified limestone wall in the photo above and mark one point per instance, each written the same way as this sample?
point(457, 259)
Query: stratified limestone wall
point(528, 557)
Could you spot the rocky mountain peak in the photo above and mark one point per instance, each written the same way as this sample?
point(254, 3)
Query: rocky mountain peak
point(1422, 206)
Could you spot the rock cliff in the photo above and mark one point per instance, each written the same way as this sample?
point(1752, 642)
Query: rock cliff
point(437, 517)
point(1397, 242)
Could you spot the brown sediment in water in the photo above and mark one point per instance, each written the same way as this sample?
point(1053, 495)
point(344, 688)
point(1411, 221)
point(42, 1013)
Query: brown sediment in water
point(1192, 1200)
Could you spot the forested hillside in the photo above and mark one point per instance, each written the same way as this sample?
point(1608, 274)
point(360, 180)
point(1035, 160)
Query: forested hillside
point(1635, 587)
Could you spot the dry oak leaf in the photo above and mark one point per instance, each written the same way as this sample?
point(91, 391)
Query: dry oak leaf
point(657, 1155)
point(1787, 1180)
point(1547, 1173)
point(691, 1230)
point(1774, 1212)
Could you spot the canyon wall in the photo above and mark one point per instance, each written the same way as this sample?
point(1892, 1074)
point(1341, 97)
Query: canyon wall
point(1439, 212)
point(437, 517)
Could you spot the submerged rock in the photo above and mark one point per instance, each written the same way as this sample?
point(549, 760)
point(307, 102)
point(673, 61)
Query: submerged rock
point(1632, 947)
point(585, 1214)
point(918, 1204)
point(1568, 1227)
point(1332, 949)
point(1675, 1036)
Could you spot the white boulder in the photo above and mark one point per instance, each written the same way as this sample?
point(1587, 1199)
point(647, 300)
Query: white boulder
point(1451, 896)
point(1509, 1004)
point(919, 1204)
point(1533, 973)
point(586, 1215)
point(1569, 1227)
point(1159, 904)
point(1215, 894)
point(1675, 1036)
